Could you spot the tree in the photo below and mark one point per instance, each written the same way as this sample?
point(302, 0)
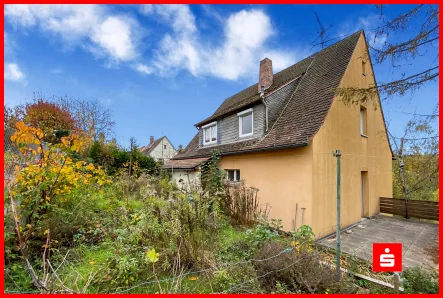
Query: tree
point(90, 116)
point(132, 149)
point(416, 164)
point(180, 148)
point(55, 122)
point(423, 21)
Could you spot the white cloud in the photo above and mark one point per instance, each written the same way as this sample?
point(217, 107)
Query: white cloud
point(367, 24)
point(114, 36)
point(235, 54)
point(243, 45)
point(143, 68)
point(13, 72)
point(88, 26)
point(146, 9)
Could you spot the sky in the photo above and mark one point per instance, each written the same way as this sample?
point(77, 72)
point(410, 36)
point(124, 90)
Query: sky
point(162, 68)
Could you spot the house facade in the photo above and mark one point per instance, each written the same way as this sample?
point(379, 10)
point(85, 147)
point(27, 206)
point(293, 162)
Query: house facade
point(186, 173)
point(279, 135)
point(160, 149)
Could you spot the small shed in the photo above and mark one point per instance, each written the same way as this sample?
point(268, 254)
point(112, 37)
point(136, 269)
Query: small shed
point(185, 172)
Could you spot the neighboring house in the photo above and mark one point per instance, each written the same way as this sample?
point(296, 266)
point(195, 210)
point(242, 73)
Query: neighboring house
point(186, 172)
point(160, 149)
point(279, 134)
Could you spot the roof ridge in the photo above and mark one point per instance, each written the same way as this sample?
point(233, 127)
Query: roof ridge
point(290, 98)
point(281, 72)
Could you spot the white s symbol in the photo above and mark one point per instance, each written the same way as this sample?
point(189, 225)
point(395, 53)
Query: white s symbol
point(387, 260)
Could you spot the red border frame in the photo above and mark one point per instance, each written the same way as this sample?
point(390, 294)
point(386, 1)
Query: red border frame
point(208, 2)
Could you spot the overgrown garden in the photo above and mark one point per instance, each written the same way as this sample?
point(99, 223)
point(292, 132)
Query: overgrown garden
point(85, 216)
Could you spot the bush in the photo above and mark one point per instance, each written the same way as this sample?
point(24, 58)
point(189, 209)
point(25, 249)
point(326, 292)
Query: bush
point(420, 281)
point(295, 270)
point(259, 235)
point(240, 278)
point(242, 205)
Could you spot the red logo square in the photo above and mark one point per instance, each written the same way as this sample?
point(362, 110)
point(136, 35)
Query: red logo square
point(386, 257)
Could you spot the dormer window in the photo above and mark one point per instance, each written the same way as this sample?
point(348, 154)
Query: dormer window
point(210, 133)
point(246, 123)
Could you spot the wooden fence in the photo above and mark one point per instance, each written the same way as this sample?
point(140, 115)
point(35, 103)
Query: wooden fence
point(417, 209)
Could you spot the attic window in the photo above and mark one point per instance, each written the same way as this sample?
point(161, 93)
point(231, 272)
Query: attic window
point(210, 133)
point(363, 121)
point(363, 67)
point(245, 123)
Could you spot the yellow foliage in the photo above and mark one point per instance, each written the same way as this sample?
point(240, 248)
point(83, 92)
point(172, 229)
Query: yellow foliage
point(52, 166)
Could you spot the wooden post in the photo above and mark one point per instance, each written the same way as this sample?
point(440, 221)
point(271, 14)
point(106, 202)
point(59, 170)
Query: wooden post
point(396, 282)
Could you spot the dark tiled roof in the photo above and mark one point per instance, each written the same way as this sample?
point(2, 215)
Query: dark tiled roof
point(304, 110)
point(148, 149)
point(187, 164)
point(250, 95)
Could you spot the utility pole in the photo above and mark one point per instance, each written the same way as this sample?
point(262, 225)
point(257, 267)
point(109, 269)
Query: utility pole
point(337, 154)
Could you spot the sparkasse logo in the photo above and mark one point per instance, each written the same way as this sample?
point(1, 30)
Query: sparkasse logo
point(387, 257)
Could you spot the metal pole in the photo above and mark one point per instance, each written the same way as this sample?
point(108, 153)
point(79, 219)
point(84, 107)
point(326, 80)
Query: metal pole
point(337, 154)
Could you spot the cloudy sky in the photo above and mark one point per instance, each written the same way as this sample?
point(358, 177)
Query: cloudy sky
point(162, 68)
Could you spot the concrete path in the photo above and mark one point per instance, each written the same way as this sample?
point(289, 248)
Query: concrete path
point(419, 239)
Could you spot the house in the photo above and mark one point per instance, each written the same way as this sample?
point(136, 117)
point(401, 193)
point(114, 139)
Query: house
point(160, 149)
point(186, 172)
point(279, 134)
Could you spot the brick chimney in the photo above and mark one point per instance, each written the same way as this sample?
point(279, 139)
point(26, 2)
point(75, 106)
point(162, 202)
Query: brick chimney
point(266, 76)
point(151, 140)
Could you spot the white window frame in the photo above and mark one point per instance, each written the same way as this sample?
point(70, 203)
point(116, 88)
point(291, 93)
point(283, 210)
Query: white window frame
point(235, 175)
point(363, 121)
point(240, 120)
point(210, 137)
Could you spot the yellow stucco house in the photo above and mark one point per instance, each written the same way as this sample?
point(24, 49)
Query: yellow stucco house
point(279, 134)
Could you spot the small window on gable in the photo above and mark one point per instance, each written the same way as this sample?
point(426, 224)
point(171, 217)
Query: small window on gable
point(246, 123)
point(210, 133)
point(164, 146)
point(363, 67)
point(363, 122)
point(233, 175)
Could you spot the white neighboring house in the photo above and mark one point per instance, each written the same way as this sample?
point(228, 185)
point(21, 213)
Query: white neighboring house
point(160, 149)
point(186, 172)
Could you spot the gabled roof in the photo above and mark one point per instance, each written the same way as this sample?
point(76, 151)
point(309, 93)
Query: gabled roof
point(304, 110)
point(149, 148)
point(185, 164)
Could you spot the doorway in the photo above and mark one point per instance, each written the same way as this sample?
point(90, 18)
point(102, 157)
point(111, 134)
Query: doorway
point(364, 194)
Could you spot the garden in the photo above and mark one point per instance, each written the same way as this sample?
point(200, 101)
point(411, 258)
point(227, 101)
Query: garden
point(73, 226)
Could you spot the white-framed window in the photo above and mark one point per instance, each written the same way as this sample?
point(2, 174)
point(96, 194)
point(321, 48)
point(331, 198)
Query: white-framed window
point(363, 122)
point(233, 175)
point(210, 133)
point(246, 123)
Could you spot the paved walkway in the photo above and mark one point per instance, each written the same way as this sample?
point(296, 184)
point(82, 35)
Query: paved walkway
point(419, 239)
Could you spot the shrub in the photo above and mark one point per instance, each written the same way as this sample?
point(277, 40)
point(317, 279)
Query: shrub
point(242, 205)
point(240, 278)
point(420, 281)
point(295, 270)
point(303, 237)
point(259, 235)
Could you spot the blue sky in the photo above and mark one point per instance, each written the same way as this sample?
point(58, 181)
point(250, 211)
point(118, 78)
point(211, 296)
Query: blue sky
point(162, 68)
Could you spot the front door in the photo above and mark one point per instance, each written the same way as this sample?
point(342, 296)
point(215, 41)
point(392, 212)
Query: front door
point(364, 194)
